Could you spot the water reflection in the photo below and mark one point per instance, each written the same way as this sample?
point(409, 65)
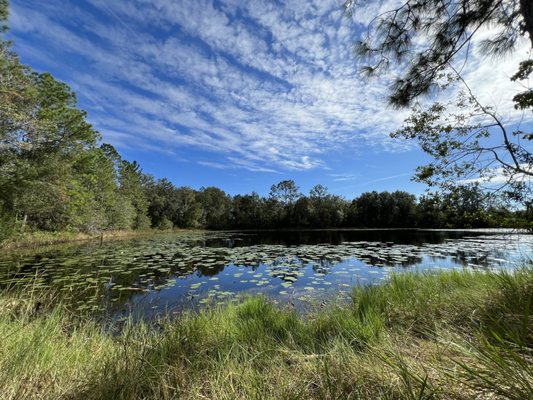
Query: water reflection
point(175, 272)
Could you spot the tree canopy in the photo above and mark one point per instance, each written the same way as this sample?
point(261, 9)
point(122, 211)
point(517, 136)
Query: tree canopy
point(428, 35)
point(54, 175)
point(430, 42)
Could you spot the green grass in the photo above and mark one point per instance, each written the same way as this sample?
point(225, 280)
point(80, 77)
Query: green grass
point(452, 335)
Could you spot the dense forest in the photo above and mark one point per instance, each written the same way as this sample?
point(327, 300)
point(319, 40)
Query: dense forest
point(57, 175)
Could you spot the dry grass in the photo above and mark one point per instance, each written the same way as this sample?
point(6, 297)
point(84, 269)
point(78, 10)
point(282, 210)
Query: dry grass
point(41, 238)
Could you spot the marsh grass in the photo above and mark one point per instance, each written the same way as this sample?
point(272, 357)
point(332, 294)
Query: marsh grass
point(452, 335)
point(32, 239)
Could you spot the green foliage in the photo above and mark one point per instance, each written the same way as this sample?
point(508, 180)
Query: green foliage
point(4, 12)
point(425, 40)
point(427, 36)
point(380, 210)
point(215, 206)
point(131, 180)
point(326, 210)
point(285, 192)
point(188, 210)
point(463, 149)
point(7, 224)
point(247, 211)
point(524, 100)
point(165, 224)
point(53, 176)
point(181, 205)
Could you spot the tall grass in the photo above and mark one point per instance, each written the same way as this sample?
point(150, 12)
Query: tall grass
point(30, 239)
point(452, 335)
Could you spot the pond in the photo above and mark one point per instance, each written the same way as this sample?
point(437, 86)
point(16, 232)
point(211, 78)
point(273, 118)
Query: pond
point(169, 273)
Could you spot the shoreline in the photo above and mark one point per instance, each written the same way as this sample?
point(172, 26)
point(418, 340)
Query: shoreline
point(33, 240)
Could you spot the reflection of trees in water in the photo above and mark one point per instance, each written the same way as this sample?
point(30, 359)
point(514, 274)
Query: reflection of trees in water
point(386, 261)
point(484, 258)
point(112, 274)
point(210, 270)
point(95, 280)
point(334, 237)
point(323, 266)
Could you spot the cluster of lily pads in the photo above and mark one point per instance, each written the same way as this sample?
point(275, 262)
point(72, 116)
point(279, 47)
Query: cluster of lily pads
point(472, 251)
point(185, 270)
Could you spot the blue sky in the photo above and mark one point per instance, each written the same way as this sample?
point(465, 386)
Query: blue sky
point(233, 94)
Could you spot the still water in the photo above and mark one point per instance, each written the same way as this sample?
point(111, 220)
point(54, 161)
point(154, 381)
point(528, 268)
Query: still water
point(166, 274)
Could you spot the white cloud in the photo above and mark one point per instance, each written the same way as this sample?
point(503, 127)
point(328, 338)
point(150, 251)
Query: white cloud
point(344, 177)
point(493, 177)
point(267, 87)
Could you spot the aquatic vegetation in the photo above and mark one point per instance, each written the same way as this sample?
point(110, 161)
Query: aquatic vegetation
point(121, 276)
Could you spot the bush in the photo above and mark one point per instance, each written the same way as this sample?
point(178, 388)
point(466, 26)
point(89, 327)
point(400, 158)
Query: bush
point(165, 224)
point(7, 227)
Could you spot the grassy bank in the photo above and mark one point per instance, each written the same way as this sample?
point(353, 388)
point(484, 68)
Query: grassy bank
point(455, 335)
point(42, 238)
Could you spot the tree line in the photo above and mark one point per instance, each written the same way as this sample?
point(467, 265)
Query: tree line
point(286, 207)
point(56, 175)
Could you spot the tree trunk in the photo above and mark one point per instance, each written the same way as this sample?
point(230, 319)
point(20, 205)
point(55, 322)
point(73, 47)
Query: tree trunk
point(24, 222)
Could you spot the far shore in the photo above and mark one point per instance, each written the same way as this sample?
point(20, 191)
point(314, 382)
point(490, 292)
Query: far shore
point(31, 240)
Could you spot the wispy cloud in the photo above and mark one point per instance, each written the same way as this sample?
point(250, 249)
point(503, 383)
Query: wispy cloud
point(383, 179)
point(493, 177)
point(344, 177)
point(267, 87)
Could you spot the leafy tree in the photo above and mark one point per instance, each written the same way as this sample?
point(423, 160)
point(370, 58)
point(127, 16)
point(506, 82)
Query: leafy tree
point(4, 12)
point(188, 209)
point(216, 206)
point(326, 210)
point(301, 216)
point(383, 210)
point(465, 207)
point(404, 215)
point(428, 35)
point(368, 210)
point(162, 201)
point(464, 150)
point(18, 94)
point(283, 197)
point(286, 192)
point(167, 203)
point(131, 180)
point(430, 213)
point(351, 219)
point(318, 192)
point(91, 197)
point(427, 38)
point(247, 211)
point(165, 224)
point(43, 139)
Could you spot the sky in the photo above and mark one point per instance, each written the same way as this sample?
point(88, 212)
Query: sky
point(236, 94)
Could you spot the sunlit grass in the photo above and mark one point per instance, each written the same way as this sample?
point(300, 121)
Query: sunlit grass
point(451, 335)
